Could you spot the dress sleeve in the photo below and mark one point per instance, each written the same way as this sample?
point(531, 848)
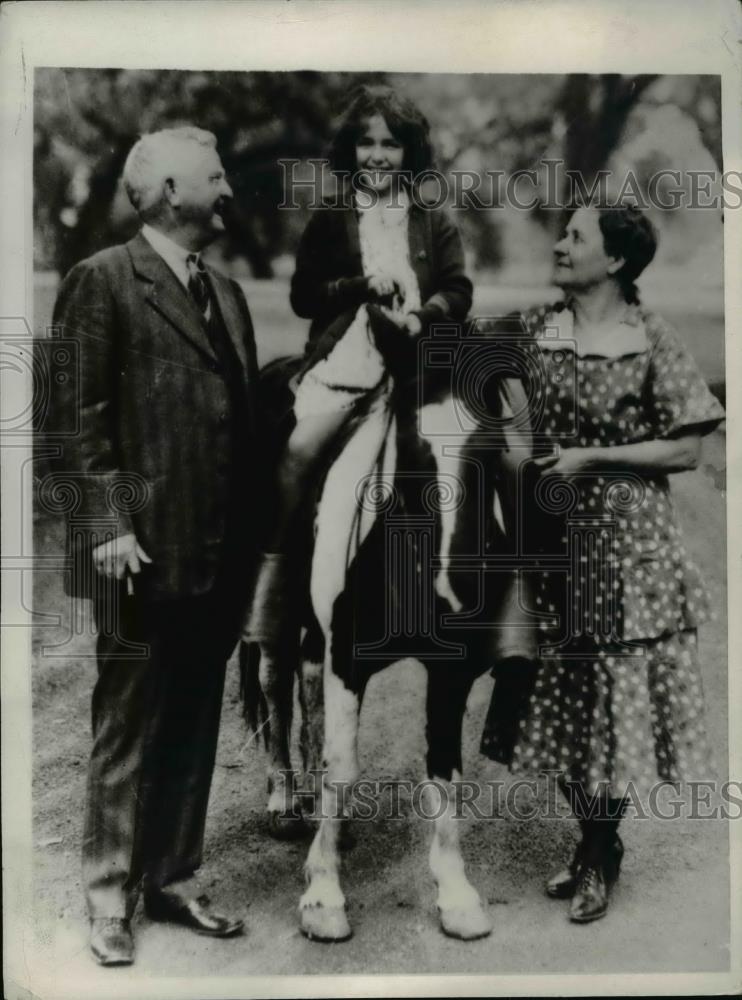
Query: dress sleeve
point(679, 398)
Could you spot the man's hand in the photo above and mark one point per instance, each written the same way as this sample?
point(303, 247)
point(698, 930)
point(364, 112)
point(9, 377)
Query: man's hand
point(120, 556)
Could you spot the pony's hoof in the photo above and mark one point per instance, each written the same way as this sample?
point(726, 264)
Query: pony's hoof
point(325, 923)
point(465, 924)
point(287, 825)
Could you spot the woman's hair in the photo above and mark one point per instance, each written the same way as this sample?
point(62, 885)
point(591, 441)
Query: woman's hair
point(628, 233)
point(405, 121)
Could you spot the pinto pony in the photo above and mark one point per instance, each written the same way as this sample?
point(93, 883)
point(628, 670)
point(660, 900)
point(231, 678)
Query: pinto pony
point(413, 555)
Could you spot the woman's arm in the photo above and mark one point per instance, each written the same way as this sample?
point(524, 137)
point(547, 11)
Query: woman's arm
point(659, 456)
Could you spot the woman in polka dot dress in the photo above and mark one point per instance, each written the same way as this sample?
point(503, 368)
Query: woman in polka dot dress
point(617, 700)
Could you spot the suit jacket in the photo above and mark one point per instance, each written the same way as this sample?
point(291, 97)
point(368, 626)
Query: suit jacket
point(166, 437)
point(329, 280)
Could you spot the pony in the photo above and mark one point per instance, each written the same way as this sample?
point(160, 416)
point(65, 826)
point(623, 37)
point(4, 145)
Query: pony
point(413, 553)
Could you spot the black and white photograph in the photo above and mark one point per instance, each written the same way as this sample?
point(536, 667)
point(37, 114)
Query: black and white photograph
point(366, 562)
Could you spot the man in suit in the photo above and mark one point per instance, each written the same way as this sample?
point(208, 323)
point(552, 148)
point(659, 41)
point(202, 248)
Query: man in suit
point(164, 463)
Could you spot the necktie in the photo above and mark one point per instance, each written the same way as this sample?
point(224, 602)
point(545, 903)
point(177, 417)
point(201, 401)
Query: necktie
point(197, 283)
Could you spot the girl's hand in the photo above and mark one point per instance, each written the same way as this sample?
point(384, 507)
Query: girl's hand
point(396, 316)
point(406, 322)
point(565, 462)
point(412, 324)
point(382, 285)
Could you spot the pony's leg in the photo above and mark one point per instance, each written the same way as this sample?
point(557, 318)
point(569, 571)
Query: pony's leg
point(312, 731)
point(462, 914)
point(322, 907)
point(311, 700)
point(277, 671)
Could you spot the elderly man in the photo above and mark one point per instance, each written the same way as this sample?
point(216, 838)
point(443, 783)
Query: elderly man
point(164, 459)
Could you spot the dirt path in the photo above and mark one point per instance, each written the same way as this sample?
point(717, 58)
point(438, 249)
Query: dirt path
point(670, 911)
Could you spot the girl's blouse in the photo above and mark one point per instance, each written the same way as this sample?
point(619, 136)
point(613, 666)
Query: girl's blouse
point(385, 249)
point(329, 279)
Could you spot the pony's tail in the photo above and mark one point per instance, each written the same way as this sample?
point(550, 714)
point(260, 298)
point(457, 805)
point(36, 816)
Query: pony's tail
point(254, 705)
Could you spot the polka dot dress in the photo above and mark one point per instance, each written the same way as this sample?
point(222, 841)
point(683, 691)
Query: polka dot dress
point(617, 696)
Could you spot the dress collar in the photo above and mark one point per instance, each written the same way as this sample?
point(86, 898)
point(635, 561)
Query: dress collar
point(557, 333)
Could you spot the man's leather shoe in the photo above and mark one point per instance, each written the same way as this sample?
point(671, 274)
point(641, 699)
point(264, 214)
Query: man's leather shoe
point(111, 942)
point(194, 913)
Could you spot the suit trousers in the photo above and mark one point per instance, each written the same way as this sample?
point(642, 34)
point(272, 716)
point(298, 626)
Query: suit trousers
point(156, 709)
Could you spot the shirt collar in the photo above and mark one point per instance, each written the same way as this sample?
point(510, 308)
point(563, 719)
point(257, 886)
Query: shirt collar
point(174, 255)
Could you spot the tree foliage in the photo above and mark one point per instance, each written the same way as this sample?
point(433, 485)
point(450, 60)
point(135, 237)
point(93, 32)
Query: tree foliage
point(87, 120)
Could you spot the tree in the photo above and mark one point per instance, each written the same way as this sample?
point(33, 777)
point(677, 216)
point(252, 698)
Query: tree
point(257, 118)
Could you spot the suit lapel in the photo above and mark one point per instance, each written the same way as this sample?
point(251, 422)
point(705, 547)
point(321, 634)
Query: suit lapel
point(166, 294)
point(231, 314)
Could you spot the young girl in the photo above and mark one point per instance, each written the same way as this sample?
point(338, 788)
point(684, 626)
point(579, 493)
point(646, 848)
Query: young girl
point(383, 251)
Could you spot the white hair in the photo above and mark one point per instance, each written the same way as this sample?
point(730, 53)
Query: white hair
point(151, 160)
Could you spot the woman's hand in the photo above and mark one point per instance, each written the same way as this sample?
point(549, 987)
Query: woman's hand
point(656, 457)
point(565, 462)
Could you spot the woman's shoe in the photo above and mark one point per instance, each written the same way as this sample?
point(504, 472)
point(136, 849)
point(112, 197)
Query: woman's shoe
point(590, 900)
point(594, 883)
point(267, 618)
point(563, 884)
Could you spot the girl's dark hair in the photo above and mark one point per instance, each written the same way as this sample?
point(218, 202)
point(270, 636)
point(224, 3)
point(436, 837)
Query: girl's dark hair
point(628, 233)
point(405, 121)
